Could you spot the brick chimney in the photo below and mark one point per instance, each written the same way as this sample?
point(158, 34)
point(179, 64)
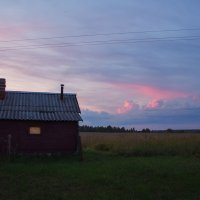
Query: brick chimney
point(2, 88)
point(62, 92)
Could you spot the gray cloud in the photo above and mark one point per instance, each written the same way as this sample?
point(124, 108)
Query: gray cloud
point(168, 116)
point(93, 70)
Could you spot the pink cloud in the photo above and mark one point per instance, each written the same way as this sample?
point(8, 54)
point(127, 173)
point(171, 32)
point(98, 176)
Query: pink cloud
point(10, 32)
point(150, 91)
point(127, 107)
point(155, 103)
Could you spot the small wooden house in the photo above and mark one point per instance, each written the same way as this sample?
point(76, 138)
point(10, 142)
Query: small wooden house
point(38, 122)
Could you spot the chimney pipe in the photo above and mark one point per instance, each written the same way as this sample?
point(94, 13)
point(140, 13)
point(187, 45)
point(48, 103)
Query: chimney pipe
point(2, 88)
point(62, 92)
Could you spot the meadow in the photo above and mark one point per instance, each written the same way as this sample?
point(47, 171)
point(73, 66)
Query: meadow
point(143, 144)
point(115, 166)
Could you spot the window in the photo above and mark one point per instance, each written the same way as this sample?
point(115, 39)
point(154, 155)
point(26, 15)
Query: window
point(35, 130)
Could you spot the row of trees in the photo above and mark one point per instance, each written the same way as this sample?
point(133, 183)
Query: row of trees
point(114, 129)
point(110, 129)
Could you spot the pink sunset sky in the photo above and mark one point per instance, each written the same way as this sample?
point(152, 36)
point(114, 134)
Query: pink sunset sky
point(131, 63)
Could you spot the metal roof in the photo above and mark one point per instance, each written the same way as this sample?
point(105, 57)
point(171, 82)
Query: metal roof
point(39, 106)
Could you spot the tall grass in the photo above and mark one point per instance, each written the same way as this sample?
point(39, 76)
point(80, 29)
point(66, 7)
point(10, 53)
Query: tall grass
point(143, 144)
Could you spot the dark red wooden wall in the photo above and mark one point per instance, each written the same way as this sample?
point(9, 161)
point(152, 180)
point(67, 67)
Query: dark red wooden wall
point(55, 137)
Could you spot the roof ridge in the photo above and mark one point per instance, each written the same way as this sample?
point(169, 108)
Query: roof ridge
point(48, 93)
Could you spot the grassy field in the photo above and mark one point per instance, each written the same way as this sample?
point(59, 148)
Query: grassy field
point(101, 176)
point(141, 144)
point(107, 172)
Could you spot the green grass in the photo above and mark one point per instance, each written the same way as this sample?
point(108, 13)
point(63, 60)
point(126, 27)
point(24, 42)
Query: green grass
point(115, 166)
point(101, 176)
point(141, 144)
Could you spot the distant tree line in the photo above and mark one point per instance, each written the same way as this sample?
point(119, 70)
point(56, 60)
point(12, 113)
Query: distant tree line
point(108, 129)
point(114, 129)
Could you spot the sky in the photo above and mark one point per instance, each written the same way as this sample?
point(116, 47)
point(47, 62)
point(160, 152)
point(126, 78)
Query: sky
point(132, 63)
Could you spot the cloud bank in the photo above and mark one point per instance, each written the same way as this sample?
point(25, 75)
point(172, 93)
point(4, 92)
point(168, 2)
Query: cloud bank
point(131, 63)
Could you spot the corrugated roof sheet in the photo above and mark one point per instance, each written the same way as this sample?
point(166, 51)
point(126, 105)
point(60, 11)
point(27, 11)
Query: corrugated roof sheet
point(39, 106)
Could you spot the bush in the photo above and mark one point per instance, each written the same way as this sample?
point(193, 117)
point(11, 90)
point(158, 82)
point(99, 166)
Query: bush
point(103, 147)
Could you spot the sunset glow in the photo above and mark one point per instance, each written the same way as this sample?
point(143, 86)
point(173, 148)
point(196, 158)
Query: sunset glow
point(126, 107)
point(131, 63)
point(152, 92)
point(154, 104)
